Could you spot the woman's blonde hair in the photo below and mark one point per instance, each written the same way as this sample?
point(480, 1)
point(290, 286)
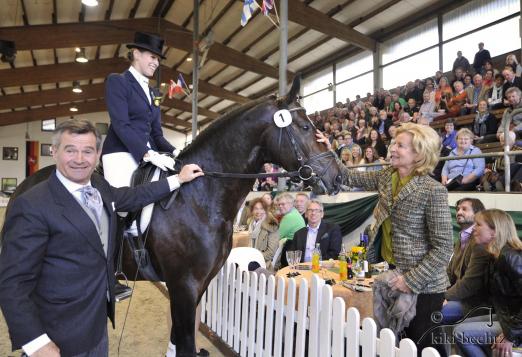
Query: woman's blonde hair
point(465, 131)
point(346, 150)
point(426, 143)
point(504, 227)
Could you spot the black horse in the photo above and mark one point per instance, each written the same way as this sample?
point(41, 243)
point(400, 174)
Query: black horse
point(189, 242)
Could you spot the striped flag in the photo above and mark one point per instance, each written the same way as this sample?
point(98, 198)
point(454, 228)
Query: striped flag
point(248, 9)
point(267, 6)
point(174, 88)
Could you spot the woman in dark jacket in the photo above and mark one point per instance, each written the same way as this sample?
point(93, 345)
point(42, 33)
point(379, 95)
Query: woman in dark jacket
point(496, 230)
point(485, 124)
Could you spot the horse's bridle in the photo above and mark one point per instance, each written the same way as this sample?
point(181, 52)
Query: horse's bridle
point(306, 171)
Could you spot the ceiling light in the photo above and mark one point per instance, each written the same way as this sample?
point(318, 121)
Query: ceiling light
point(90, 2)
point(189, 59)
point(74, 108)
point(7, 51)
point(76, 87)
point(80, 55)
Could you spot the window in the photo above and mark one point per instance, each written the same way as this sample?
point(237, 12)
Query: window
point(475, 14)
point(419, 66)
point(49, 124)
point(317, 81)
point(469, 44)
point(354, 66)
point(410, 41)
point(360, 85)
point(318, 101)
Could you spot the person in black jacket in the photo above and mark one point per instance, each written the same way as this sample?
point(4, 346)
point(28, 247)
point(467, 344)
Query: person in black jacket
point(496, 230)
point(485, 124)
point(480, 57)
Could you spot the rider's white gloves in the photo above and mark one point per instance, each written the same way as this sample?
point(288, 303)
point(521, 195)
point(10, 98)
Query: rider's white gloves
point(162, 161)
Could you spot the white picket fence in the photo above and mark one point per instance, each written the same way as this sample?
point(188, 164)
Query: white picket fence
point(249, 313)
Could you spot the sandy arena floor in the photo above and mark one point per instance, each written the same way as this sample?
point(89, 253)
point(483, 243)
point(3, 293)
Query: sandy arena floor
point(146, 331)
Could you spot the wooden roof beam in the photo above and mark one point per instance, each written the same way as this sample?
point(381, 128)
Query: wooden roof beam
point(314, 19)
point(98, 33)
point(95, 69)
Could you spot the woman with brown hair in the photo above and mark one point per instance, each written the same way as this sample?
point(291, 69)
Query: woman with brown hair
point(263, 229)
point(496, 230)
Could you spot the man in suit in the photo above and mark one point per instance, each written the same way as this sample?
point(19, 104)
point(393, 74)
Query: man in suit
point(56, 265)
point(317, 231)
point(467, 265)
point(511, 81)
point(480, 58)
point(475, 94)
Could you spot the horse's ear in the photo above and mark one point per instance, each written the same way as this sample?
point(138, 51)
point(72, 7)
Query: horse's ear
point(294, 91)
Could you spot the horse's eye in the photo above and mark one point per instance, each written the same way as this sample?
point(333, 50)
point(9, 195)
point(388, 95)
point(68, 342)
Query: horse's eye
point(306, 127)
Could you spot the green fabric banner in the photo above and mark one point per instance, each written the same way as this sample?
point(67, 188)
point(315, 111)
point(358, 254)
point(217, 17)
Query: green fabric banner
point(350, 215)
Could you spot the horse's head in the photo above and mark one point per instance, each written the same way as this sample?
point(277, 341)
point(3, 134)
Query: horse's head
point(292, 143)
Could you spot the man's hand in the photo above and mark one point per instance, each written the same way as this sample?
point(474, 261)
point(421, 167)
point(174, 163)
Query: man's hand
point(49, 350)
point(189, 172)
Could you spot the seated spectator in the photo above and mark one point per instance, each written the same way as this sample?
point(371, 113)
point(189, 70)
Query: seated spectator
point(423, 121)
point(263, 230)
point(430, 88)
point(327, 235)
point(495, 94)
point(412, 107)
point(410, 91)
point(373, 118)
point(419, 90)
point(496, 230)
point(300, 203)
point(404, 118)
point(348, 139)
point(267, 198)
point(350, 124)
point(485, 124)
point(488, 78)
point(438, 76)
point(488, 65)
point(494, 179)
point(466, 267)
point(511, 81)
point(455, 103)
point(268, 184)
point(375, 141)
point(384, 124)
point(463, 174)
point(397, 111)
point(461, 62)
point(511, 60)
point(358, 113)
point(362, 132)
point(394, 99)
point(346, 157)
point(338, 143)
point(427, 109)
point(443, 89)
point(468, 81)
point(475, 94)
point(371, 157)
point(449, 137)
point(291, 220)
point(514, 96)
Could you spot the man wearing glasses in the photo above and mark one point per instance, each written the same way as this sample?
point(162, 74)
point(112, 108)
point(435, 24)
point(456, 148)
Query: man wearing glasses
point(317, 231)
point(291, 220)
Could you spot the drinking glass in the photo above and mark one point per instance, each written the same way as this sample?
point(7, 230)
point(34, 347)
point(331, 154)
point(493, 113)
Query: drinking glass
point(297, 258)
point(290, 258)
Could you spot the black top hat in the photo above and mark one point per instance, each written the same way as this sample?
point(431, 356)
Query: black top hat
point(148, 41)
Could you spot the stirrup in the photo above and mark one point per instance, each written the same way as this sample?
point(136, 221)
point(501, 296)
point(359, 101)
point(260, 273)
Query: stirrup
point(121, 291)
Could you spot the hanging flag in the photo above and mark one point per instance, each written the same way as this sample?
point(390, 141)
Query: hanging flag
point(267, 6)
point(175, 88)
point(248, 9)
point(182, 82)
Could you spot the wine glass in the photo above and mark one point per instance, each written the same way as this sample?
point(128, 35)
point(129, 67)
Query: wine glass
point(297, 258)
point(290, 258)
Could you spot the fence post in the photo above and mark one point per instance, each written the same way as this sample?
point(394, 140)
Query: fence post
point(231, 303)
point(302, 310)
point(338, 323)
point(386, 343)
point(369, 338)
point(220, 287)
point(325, 322)
point(352, 332)
point(237, 306)
point(407, 348)
point(252, 314)
point(279, 311)
point(269, 327)
point(289, 318)
point(315, 308)
point(225, 302)
point(261, 302)
point(244, 314)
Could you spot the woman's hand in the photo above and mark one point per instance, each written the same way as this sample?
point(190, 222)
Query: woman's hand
point(323, 139)
point(502, 347)
point(398, 283)
point(444, 180)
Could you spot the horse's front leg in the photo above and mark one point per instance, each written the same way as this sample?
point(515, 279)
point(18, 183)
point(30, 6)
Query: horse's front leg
point(183, 301)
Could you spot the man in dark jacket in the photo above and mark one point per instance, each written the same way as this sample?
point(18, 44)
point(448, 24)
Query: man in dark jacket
point(480, 58)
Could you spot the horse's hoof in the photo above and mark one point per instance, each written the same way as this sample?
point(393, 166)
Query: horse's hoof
point(203, 352)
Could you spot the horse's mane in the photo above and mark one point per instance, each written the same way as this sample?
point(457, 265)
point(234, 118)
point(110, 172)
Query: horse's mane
point(217, 125)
